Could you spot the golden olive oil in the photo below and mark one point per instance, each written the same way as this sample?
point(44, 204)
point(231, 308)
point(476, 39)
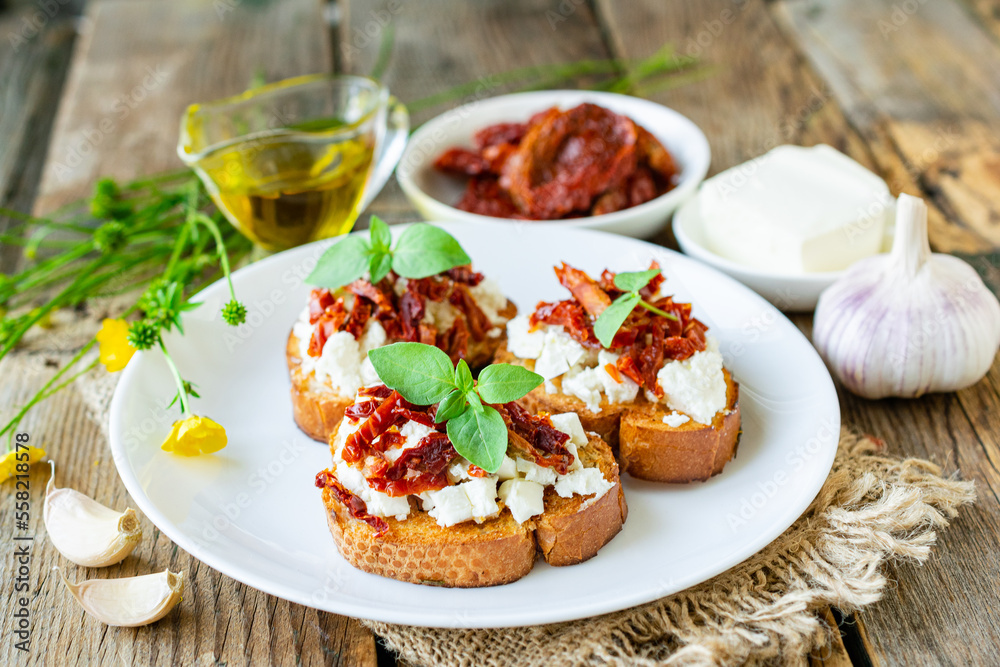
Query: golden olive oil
point(284, 190)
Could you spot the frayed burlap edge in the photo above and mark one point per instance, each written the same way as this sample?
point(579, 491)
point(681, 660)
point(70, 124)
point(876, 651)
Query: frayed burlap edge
point(871, 509)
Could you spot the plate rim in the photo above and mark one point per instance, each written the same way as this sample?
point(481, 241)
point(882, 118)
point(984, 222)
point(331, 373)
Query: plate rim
point(413, 616)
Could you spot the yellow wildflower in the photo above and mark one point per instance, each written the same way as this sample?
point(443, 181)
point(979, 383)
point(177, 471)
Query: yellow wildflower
point(113, 340)
point(195, 435)
point(10, 461)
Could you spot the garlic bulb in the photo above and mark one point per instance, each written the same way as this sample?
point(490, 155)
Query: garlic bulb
point(131, 601)
point(908, 322)
point(85, 531)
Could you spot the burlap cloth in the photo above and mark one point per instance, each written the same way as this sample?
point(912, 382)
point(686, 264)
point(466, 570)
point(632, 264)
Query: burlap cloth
point(871, 509)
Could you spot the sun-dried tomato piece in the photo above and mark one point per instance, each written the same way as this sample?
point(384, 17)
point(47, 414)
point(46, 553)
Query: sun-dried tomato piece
point(567, 159)
point(388, 440)
point(461, 161)
point(411, 311)
point(330, 321)
point(380, 421)
point(627, 366)
point(652, 153)
point(537, 436)
point(355, 324)
point(465, 275)
point(418, 469)
point(653, 286)
point(378, 391)
point(362, 410)
point(478, 323)
point(570, 316)
point(584, 289)
point(455, 341)
point(319, 300)
point(355, 505)
point(676, 348)
point(483, 196)
point(380, 297)
point(500, 133)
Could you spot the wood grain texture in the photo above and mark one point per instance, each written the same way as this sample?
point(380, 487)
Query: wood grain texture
point(158, 57)
point(438, 45)
point(934, 96)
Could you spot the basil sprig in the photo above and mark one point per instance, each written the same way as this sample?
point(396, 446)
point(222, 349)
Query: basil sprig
point(611, 320)
point(424, 375)
point(422, 250)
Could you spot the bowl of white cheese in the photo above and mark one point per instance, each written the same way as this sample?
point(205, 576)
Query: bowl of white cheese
point(788, 223)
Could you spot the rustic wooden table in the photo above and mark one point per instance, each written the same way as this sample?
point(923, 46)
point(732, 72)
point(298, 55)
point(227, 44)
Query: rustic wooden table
point(907, 87)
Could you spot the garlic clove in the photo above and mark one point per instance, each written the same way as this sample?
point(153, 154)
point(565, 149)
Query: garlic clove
point(130, 601)
point(85, 531)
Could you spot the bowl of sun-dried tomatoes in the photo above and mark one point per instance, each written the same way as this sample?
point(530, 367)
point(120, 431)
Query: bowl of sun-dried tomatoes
point(566, 157)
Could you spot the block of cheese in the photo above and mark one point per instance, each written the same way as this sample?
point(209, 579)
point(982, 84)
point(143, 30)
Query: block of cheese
point(795, 210)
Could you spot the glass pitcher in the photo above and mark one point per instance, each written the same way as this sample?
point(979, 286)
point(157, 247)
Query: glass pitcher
point(298, 160)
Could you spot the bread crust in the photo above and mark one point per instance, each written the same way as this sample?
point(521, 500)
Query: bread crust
point(646, 447)
point(495, 552)
point(317, 410)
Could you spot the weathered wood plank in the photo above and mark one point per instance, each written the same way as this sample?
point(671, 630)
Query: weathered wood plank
point(438, 45)
point(35, 52)
point(932, 96)
point(135, 68)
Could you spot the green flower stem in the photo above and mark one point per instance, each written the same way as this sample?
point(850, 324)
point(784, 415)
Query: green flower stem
point(653, 309)
point(182, 393)
point(220, 246)
point(46, 391)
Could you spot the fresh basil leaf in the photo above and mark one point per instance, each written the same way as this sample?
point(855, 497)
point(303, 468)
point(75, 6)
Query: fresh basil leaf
point(424, 250)
point(463, 377)
point(341, 264)
point(611, 319)
point(473, 399)
point(480, 436)
point(452, 406)
point(633, 281)
point(423, 374)
point(380, 266)
point(502, 383)
point(381, 236)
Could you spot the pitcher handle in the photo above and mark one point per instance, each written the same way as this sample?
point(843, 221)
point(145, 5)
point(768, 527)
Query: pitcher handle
point(397, 132)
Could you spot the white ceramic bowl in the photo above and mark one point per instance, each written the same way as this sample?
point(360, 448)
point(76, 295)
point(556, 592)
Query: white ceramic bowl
point(789, 292)
point(432, 193)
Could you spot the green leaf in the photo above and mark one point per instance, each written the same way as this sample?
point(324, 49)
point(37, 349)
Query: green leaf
point(463, 377)
point(381, 237)
point(341, 264)
point(452, 406)
point(633, 281)
point(473, 399)
point(423, 374)
point(424, 250)
point(480, 436)
point(611, 319)
point(502, 383)
point(380, 266)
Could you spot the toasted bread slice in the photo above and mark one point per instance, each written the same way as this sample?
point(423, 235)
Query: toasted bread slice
point(318, 409)
point(497, 551)
point(646, 447)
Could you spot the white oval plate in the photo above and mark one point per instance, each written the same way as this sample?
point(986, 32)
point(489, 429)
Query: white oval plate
point(252, 512)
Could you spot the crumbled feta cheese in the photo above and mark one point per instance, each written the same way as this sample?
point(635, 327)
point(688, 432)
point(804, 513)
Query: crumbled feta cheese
point(450, 505)
point(559, 354)
point(508, 469)
point(577, 463)
point(675, 419)
point(523, 498)
point(458, 470)
point(482, 493)
point(491, 300)
point(378, 503)
point(343, 364)
point(588, 384)
point(585, 482)
point(536, 473)
point(440, 314)
point(695, 386)
point(569, 423)
point(521, 341)
point(414, 432)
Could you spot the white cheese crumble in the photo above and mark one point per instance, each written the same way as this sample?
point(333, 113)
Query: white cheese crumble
point(675, 419)
point(343, 365)
point(467, 498)
point(695, 386)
